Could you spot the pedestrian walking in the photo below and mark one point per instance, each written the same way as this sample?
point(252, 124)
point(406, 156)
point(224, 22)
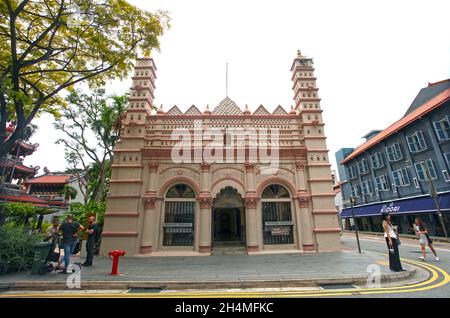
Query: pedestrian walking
point(93, 232)
point(424, 239)
point(69, 230)
point(392, 243)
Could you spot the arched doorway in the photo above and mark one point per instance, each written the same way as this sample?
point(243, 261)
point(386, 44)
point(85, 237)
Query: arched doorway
point(179, 216)
point(228, 218)
point(277, 215)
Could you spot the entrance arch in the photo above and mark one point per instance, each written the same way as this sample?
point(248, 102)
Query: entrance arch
point(179, 216)
point(277, 215)
point(228, 211)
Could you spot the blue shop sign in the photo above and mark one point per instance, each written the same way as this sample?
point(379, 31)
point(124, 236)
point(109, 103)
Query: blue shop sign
point(414, 205)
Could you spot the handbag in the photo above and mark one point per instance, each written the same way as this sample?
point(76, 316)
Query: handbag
point(397, 237)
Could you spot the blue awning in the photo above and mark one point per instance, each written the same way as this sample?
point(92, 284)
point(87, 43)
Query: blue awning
point(414, 205)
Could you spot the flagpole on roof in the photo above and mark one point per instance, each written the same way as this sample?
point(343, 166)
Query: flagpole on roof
point(226, 80)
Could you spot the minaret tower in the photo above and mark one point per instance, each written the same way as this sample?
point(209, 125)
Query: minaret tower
point(126, 211)
point(140, 101)
point(318, 200)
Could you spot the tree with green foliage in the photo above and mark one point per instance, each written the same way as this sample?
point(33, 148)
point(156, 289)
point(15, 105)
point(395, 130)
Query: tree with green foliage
point(21, 214)
point(17, 213)
point(81, 212)
point(48, 46)
point(69, 192)
point(89, 125)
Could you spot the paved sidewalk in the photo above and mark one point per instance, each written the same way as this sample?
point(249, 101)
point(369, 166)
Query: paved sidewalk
point(309, 269)
point(436, 239)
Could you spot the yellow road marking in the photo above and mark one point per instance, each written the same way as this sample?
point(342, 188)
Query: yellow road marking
point(422, 286)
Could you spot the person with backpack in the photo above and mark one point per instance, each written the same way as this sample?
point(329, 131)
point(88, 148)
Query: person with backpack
point(93, 234)
point(424, 239)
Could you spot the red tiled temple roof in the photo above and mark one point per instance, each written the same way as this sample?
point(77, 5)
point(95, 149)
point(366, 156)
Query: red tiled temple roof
point(46, 179)
point(25, 198)
point(27, 148)
point(19, 168)
point(25, 169)
point(427, 107)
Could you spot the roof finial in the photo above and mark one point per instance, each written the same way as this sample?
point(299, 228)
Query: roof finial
point(299, 54)
point(207, 111)
point(246, 111)
point(160, 110)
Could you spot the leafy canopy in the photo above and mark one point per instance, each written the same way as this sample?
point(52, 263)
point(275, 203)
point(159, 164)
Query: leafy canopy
point(90, 128)
point(47, 46)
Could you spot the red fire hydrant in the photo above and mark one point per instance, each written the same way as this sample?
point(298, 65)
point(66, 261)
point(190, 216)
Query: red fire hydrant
point(115, 257)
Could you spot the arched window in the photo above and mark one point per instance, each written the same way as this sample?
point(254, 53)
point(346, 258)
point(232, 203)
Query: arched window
point(276, 215)
point(275, 191)
point(180, 191)
point(179, 216)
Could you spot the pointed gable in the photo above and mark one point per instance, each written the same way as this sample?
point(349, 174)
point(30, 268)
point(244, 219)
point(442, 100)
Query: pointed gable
point(174, 111)
point(193, 111)
point(227, 107)
point(279, 111)
point(261, 111)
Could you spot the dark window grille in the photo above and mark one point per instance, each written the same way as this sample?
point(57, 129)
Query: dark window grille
point(178, 224)
point(180, 191)
point(277, 223)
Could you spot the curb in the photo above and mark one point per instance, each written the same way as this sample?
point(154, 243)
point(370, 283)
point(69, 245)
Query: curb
point(180, 285)
point(405, 236)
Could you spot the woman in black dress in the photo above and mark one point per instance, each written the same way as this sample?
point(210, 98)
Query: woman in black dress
point(392, 243)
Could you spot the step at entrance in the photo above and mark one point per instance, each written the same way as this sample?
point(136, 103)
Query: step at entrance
point(228, 248)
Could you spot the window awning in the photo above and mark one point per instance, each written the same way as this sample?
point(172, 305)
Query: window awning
point(414, 205)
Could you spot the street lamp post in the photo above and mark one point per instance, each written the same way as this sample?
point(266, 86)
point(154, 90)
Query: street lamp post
point(352, 202)
point(435, 196)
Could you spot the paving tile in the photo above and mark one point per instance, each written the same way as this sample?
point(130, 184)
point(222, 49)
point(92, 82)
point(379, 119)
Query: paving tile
point(238, 267)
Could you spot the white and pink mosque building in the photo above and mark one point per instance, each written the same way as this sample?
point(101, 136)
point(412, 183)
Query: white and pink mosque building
point(159, 206)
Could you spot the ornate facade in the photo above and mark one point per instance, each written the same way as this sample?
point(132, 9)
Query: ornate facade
point(157, 205)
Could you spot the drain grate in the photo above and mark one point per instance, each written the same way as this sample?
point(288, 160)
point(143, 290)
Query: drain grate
point(337, 286)
point(144, 290)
